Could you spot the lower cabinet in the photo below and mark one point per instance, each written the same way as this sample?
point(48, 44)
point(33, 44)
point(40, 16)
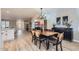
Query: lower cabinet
point(8, 34)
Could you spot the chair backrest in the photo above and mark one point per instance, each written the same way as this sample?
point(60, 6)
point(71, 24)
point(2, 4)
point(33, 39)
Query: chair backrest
point(37, 33)
point(33, 32)
point(61, 36)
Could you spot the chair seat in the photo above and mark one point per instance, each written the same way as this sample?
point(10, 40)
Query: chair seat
point(53, 41)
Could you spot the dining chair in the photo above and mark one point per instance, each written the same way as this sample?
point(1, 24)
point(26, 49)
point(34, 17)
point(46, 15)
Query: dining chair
point(57, 40)
point(37, 34)
point(33, 35)
point(41, 40)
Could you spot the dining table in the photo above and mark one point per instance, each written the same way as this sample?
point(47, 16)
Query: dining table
point(47, 35)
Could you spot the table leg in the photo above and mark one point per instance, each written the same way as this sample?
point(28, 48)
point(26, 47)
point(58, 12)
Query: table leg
point(47, 44)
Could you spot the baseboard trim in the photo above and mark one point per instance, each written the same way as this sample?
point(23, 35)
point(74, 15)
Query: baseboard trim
point(76, 41)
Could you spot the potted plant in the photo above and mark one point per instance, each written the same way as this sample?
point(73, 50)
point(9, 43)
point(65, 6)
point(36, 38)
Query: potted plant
point(68, 25)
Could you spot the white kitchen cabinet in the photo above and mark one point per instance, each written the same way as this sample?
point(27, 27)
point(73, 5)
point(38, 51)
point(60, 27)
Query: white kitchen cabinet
point(4, 35)
point(8, 34)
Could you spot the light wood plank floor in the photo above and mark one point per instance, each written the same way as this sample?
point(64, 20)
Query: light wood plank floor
point(24, 43)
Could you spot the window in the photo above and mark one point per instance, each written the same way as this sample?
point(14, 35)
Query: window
point(5, 24)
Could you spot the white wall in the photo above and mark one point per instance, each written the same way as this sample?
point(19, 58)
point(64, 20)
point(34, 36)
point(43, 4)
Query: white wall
point(51, 17)
point(76, 26)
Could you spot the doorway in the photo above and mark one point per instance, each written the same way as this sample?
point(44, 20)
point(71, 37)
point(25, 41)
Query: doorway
point(27, 25)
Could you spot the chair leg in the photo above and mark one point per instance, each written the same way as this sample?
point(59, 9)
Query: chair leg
point(56, 47)
point(61, 46)
point(40, 44)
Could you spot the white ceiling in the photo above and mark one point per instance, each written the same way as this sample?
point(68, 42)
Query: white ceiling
point(15, 13)
point(24, 13)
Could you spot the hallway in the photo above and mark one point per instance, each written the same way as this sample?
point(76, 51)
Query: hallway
point(24, 43)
